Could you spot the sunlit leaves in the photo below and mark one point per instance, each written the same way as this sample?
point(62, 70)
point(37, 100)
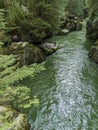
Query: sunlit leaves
point(10, 77)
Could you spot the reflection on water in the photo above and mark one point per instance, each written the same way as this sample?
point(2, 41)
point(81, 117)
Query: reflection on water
point(67, 89)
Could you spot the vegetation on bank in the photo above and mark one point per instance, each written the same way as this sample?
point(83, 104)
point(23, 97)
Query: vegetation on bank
point(11, 92)
point(30, 21)
point(36, 20)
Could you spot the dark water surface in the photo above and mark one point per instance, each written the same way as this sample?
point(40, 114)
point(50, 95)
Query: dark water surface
point(67, 89)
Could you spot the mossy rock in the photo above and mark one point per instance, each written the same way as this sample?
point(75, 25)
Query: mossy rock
point(79, 26)
point(72, 23)
point(10, 119)
point(27, 53)
point(93, 54)
point(92, 23)
point(93, 35)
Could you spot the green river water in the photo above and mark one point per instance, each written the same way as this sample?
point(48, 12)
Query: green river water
point(67, 89)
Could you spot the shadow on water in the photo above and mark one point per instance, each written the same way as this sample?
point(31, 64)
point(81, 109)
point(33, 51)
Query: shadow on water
point(67, 89)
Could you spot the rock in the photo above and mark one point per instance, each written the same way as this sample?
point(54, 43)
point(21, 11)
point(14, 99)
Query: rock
point(15, 38)
point(26, 53)
point(85, 12)
point(64, 32)
point(92, 23)
point(71, 23)
point(10, 119)
point(71, 16)
point(71, 26)
point(91, 30)
point(92, 33)
point(93, 54)
point(79, 26)
point(49, 48)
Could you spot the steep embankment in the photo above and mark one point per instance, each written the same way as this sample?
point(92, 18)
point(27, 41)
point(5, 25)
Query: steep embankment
point(92, 29)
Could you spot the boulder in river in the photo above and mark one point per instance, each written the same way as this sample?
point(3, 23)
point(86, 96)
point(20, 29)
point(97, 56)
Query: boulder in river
point(49, 48)
point(64, 32)
point(10, 119)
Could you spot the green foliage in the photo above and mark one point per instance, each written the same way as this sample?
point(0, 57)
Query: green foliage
point(93, 6)
point(6, 61)
point(10, 77)
point(75, 7)
point(2, 20)
point(35, 20)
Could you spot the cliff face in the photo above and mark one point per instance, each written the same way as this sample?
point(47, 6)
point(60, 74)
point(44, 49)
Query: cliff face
point(92, 23)
point(92, 28)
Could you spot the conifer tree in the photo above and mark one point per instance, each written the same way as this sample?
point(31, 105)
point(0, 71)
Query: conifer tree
point(33, 20)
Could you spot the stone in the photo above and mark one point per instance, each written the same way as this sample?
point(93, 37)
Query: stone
point(71, 23)
point(79, 26)
point(64, 32)
point(15, 38)
point(10, 119)
point(49, 48)
point(71, 26)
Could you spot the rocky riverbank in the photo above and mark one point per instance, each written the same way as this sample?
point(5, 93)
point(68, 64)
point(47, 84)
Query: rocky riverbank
point(92, 30)
point(29, 53)
point(70, 23)
point(10, 119)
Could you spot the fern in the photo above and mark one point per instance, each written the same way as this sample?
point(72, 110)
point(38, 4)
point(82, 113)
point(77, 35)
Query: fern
point(2, 19)
point(10, 77)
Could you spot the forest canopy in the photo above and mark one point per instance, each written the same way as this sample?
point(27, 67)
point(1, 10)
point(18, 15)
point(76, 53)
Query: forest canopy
point(36, 20)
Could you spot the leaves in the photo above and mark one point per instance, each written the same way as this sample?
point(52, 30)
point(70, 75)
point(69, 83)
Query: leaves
point(39, 19)
point(11, 92)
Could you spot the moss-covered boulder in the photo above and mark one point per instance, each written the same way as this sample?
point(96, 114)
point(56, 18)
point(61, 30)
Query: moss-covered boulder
point(93, 54)
point(79, 25)
point(92, 23)
point(12, 120)
point(92, 29)
point(26, 53)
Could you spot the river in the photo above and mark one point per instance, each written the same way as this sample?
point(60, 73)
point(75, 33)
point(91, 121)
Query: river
point(67, 89)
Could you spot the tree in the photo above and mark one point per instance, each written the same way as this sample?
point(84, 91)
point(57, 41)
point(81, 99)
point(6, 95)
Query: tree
point(75, 7)
point(34, 20)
